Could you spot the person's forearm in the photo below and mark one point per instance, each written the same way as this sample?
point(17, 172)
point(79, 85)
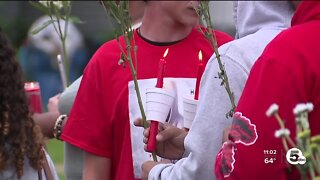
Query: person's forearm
point(46, 121)
point(96, 167)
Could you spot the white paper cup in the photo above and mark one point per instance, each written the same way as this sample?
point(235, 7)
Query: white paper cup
point(189, 110)
point(158, 103)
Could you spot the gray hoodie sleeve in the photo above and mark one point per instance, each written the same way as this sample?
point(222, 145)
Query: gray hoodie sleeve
point(205, 136)
point(73, 156)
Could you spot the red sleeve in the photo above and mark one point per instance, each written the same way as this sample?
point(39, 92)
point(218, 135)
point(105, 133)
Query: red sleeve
point(252, 133)
point(87, 126)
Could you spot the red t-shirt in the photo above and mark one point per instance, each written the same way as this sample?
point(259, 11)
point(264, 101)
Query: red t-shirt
point(287, 73)
point(99, 119)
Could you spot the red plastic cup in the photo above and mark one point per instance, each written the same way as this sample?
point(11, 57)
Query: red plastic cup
point(33, 94)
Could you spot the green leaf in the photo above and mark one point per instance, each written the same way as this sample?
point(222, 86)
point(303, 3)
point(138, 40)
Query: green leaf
point(42, 26)
point(39, 6)
point(76, 20)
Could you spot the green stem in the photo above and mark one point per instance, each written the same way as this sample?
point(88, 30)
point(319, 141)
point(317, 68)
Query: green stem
point(65, 61)
point(64, 48)
point(317, 155)
point(154, 157)
point(62, 37)
point(292, 144)
point(134, 74)
point(127, 32)
point(212, 39)
point(284, 142)
point(311, 171)
point(136, 87)
point(315, 163)
point(301, 143)
point(135, 54)
point(279, 120)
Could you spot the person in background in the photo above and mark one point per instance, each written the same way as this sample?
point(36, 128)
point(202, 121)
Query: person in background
point(99, 121)
point(287, 73)
point(60, 105)
point(38, 57)
point(21, 152)
point(257, 23)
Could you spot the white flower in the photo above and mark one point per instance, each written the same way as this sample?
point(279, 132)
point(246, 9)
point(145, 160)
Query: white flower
point(282, 132)
point(309, 107)
point(299, 109)
point(272, 109)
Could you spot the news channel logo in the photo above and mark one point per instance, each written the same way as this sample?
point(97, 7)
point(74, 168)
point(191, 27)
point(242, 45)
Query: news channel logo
point(294, 156)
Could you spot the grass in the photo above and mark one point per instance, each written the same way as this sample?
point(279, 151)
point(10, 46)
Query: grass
point(55, 149)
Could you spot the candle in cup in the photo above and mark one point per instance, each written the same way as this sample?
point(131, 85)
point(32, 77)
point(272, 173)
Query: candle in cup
point(151, 146)
point(199, 75)
point(32, 90)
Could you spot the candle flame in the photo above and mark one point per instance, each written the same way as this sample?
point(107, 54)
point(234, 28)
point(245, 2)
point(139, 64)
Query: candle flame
point(165, 53)
point(32, 85)
point(59, 58)
point(200, 55)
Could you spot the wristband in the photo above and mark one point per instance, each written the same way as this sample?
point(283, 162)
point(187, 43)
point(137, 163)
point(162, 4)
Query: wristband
point(57, 130)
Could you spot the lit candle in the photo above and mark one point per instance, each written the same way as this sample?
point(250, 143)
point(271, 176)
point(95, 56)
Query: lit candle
point(32, 90)
point(199, 75)
point(62, 71)
point(161, 71)
point(151, 146)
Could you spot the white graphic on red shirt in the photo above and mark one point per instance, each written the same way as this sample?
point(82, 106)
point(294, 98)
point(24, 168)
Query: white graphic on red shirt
point(243, 132)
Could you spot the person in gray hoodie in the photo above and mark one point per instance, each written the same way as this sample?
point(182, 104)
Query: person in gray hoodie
point(257, 23)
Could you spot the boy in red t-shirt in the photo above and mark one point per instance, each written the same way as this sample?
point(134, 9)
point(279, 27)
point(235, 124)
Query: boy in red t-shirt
point(101, 121)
